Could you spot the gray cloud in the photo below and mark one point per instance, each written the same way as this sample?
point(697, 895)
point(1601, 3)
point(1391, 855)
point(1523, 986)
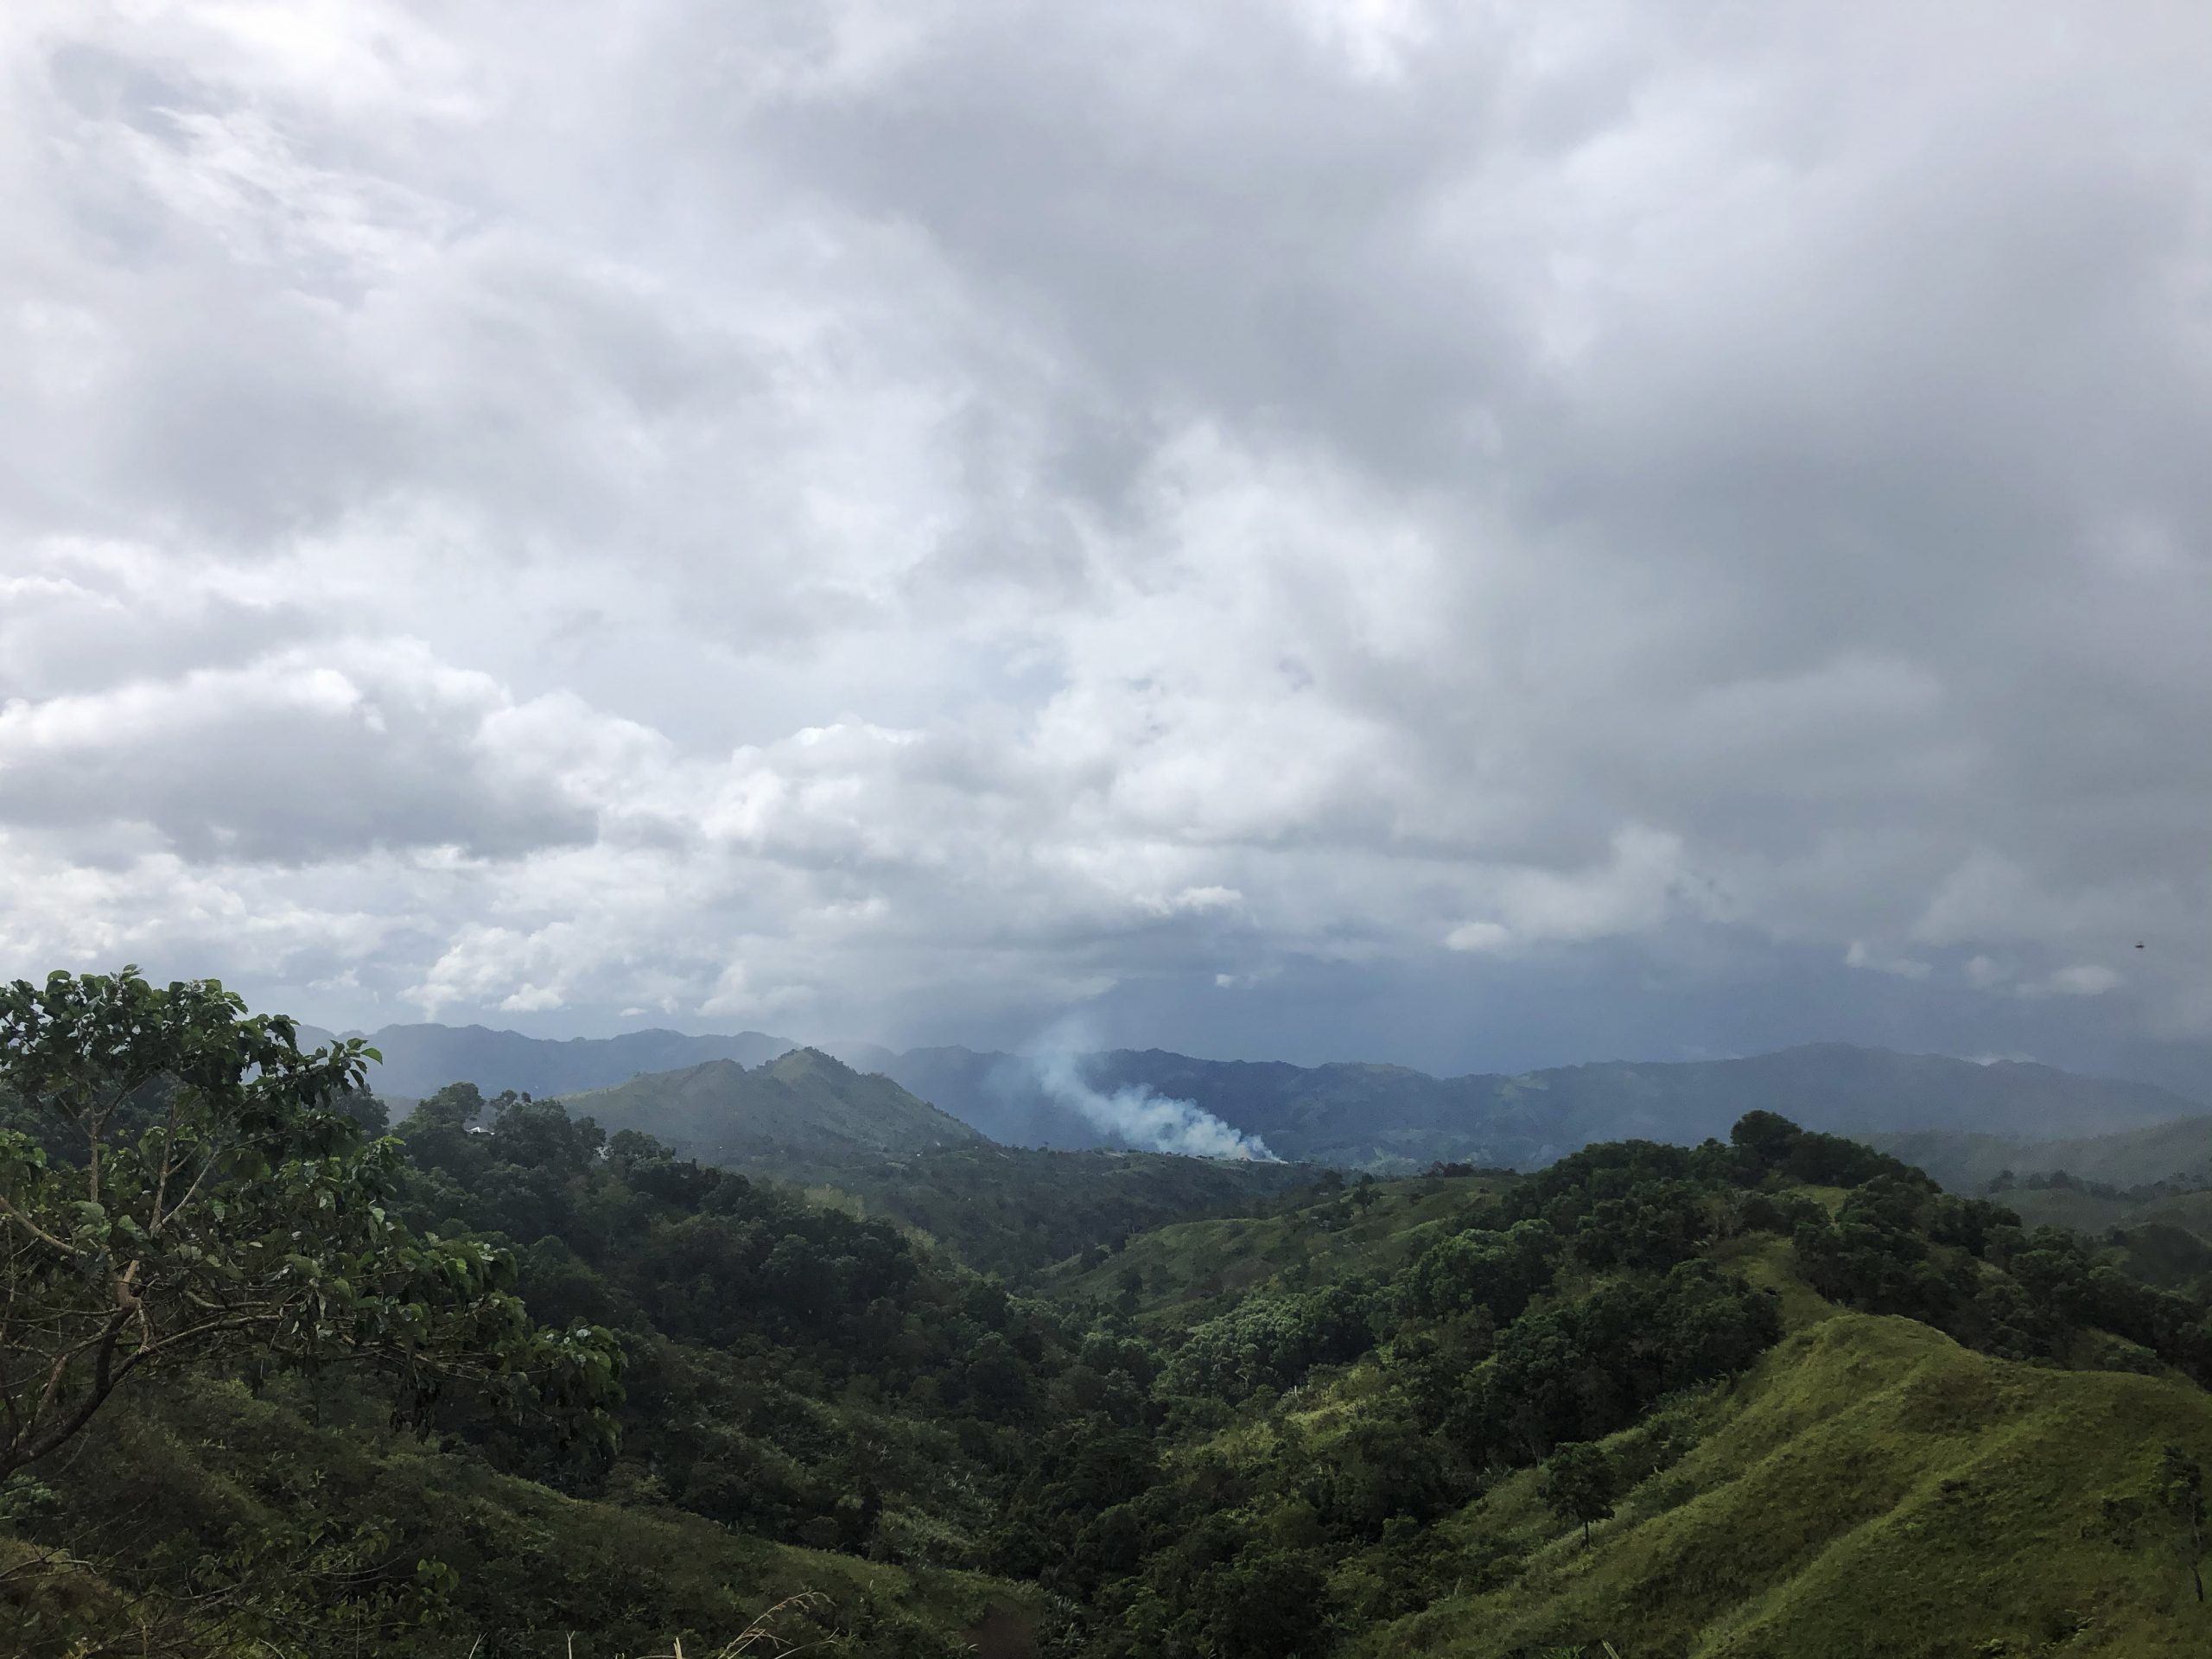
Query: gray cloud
point(916, 518)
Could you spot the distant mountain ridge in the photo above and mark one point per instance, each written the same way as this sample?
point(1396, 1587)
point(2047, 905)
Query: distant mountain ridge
point(1394, 1117)
point(1378, 1116)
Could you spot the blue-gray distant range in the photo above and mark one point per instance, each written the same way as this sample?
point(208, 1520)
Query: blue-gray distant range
point(1361, 1116)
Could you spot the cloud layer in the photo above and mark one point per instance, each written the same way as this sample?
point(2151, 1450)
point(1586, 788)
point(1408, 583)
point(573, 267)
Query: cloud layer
point(909, 520)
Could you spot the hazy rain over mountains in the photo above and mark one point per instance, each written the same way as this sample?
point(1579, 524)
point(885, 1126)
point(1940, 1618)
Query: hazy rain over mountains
point(1353, 530)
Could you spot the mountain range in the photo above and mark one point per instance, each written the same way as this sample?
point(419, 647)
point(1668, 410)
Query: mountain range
point(1389, 1117)
point(1368, 1116)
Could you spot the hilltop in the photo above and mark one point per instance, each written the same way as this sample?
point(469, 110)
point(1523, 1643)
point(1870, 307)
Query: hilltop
point(802, 1108)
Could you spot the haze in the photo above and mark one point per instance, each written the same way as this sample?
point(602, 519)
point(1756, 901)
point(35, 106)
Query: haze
point(1480, 537)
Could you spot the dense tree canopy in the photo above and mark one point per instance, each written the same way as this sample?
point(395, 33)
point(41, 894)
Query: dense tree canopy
point(182, 1182)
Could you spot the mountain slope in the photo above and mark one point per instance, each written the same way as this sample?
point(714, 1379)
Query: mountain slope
point(1876, 1488)
point(1370, 1389)
point(539, 1571)
point(802, 1105)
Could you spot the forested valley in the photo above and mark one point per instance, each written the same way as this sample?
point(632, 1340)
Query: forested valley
point(284, 1377)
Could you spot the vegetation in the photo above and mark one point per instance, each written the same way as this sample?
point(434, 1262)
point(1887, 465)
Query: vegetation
point(1015, 1211)
point(803, 1107)
point(1775, 1395)
point(181, 1190)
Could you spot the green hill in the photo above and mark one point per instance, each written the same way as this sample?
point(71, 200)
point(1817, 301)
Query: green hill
point(243, 1484)
point(2135, 1157)
point(803, 1108)
point(1872, 1488)
point(860, 1140)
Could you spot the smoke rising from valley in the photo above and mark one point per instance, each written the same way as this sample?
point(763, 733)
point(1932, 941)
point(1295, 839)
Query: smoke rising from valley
point(1151, 1122)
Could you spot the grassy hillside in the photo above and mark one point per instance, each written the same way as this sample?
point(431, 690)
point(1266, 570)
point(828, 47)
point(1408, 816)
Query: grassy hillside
point(802, 1108)
point(1871, 1488)
point(1838, 1413)
point(241, 1481)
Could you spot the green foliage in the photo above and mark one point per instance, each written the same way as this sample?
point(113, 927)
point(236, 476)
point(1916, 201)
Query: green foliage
point(1499, 1271)
point(1273, 1341)
point(186, 1188)
point(800, 1111)
point(1014, 1212)
point(1579, 1483)
point(1870, 1487)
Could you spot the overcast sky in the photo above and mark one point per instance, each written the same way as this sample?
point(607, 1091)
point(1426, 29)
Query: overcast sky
point(1481, 535)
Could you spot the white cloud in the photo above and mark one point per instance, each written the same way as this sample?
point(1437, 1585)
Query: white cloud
point(1483, 937)
point(2081, 979)
point(960, 507)
point(1862, 955)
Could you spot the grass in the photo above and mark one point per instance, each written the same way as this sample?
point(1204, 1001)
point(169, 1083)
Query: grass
point(1872, 1488)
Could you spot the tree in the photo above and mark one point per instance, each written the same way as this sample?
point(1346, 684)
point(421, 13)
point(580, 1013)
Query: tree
point(1579, 1483)
point(185, 1185)
point(1502, 1272)
point(1261, 1606)
point(1130, 1282)
point(2180, 1489)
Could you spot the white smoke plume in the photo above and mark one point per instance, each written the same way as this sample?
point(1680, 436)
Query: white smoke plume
point(1142, 1118)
